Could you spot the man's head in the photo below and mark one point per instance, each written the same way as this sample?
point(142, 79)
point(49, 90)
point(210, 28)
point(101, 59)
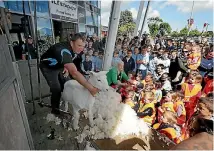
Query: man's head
point(160, 68)
point(90, 44)
point(77, 43)
point(120, 66)
point(129, 54)
point(94, 37)
point(144, 50)
point(169, 42)
point(173, 54)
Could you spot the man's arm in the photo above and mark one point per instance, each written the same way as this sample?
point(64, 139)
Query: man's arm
point(80, 78)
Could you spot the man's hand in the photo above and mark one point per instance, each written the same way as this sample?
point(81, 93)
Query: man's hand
point(65, 73)
point(93, 91)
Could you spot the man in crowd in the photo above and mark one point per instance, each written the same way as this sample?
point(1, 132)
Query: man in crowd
point(62, 56)
point(142, 61)
point(29, 52)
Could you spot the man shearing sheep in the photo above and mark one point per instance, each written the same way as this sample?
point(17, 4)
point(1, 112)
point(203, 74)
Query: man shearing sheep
point(61, 58)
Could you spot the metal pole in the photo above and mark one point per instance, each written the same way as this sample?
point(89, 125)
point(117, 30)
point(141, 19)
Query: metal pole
point(28, 61)
point(5, 23)
point(113, 28)
point(144, 19)
point(190, 18)
point(139, 15)
point(37, 51)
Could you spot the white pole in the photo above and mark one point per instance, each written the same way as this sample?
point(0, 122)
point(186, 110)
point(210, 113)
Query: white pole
point(139, 15)
point(144, 19)
point(189, 27)
point(113, 27)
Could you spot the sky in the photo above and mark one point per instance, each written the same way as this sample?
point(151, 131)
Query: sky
point(175, 12)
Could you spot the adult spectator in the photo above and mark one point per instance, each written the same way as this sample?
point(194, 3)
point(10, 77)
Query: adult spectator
point(174, 66)
point(129, 63)
point(207, 62)
point(96, 43)
point(29, 51)
point(142, 61)
point(170, 46)
point(116, 76)
point(62, 56)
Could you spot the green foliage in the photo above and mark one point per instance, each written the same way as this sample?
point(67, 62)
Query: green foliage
point(174, 34)
point(125, 17)
point(208, 34)
point(126, 24)
point(183, 32)
point(156, 25)
point(194, 32)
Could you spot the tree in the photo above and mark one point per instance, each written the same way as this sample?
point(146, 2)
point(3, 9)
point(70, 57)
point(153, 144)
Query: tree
point(126, 23)
point(165, 27)
point(194, 32)
point(183, 32)
point(174, 34)
point(125, 17)
point(157, 26)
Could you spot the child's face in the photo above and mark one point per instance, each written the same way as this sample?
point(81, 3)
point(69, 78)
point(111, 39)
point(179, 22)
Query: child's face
point(148, 78)
point(116, 55)
point(118, 47)
point(87, 58)
point(90, 52)
point(85, 51)
point(96, 54)
point(90, 44)
point(203, 110)
point(159, 70)
point(130, 75)
point(100, 56)
point(168, 97)
point(174, 54)
point(191, 80)
point(139, 77)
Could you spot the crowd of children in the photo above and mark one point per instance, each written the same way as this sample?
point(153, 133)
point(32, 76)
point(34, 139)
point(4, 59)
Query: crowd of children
point(168, 101)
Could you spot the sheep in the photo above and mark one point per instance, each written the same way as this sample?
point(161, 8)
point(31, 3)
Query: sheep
point(80, 98)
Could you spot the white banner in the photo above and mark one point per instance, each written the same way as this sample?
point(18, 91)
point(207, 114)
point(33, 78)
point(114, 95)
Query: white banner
point(63, 10)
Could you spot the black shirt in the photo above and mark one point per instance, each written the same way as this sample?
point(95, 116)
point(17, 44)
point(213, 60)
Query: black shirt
point(58, 55)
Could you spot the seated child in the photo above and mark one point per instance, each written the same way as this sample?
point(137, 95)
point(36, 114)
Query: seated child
point(192, 92)
point(209, 84)
point(168, 127)
point(129, 100)
point(194, 59)
point(203, 120)
point(166, 84)
point(148, 79)
point(147, 110)
point(158, 92)
point(179, 108)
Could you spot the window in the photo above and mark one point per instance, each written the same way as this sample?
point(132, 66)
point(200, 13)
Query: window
point(44, 32)
point(81, 15)
point(41, 8)
point(94, 2)
point(81, 28)
point(17, 6)
point(91, 18)
point(81, 3)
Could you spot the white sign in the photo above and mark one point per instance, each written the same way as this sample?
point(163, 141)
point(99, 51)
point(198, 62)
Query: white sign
point(63, 10)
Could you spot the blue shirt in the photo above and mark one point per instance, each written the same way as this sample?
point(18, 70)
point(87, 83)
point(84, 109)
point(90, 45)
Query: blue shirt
point(98, 64)
point(141, 57)
point(134, 56)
